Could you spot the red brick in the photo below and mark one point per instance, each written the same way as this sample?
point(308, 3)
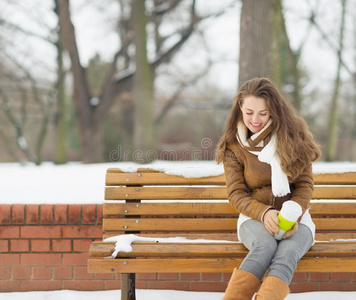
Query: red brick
point(9, 259)
point(89, 232)
point(167, 276)
point(20, 245)
point(319, 276)
point(10, 285)
point(62, 245)
point(338, 286)
point(190, 276)
point(41, 285)
point(46, 214)
point(21, 273)
point(43, 259)
point(81, 245)
point(99, 213)
point(226, 276)
point(208, 286)
point(168, 285)
point(4, 273)
point(41, 273)
point(75, 214)
point(83, 285)
point(82, 273)
point(40, 245)
point(32, 214)
point(116, 285)
point(141, 285)
point(4, 246)
point(302, 287)
point(89, 214)
point(211, 276)
point(340, 277)
point(5, 214)
point(9, 232)
point(39, 232)
point(300, 276)
point(62, 273)
point(146, 276)
point(106, 276)
point(60, 214)
point(75, 259)
point(18, 214)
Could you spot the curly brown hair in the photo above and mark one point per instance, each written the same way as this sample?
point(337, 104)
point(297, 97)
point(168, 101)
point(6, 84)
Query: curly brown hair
point(295, 144)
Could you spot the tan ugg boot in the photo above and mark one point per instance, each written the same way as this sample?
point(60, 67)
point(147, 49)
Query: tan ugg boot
point(242, 286)
point(272, 288)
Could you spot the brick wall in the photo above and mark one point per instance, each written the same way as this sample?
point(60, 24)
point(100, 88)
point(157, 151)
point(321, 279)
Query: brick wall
point(45, 247)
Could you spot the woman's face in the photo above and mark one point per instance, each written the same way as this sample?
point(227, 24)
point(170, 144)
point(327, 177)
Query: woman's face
point(255, 113)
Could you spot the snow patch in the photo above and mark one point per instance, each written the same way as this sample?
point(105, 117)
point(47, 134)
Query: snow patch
point(123, 242)
point(159, 295)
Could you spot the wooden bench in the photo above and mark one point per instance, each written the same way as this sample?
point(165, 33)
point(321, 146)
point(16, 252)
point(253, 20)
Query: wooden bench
point(149, 203)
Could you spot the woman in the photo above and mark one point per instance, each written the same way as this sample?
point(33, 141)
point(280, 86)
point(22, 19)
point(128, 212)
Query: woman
point(267, 152)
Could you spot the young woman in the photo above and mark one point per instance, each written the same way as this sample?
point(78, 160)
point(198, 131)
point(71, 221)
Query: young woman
point(267, 152)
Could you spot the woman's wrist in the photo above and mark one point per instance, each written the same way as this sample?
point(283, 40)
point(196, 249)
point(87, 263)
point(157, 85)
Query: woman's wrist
point(264, 213)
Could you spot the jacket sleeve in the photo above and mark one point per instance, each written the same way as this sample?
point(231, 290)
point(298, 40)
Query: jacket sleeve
point(239, 195)
point(303, 188)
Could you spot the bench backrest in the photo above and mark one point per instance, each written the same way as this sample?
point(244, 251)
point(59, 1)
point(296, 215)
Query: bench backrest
point(154, 203)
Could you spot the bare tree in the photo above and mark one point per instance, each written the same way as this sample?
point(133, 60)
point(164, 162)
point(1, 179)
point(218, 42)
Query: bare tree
point(143, 83)
point(91, 113)
point(333, 123)
point(60, 156)
point(256, 42)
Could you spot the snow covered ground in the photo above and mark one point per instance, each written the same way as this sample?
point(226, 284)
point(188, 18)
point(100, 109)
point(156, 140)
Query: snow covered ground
point(160, 295)
point(78, 183)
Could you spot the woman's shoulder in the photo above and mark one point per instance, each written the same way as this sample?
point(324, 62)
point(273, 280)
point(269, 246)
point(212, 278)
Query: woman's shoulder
point(234, 149)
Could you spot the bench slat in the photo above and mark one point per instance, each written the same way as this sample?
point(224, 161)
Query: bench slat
point(165, 193)
point(160, 179)
point(209, 224)
point(149, 249)
point(335, 224)
point(179, 209)
point(208, 265)
point(150, 177)
point(335, 178)
point(204, 193)
point(319, 236)
point(170, 224)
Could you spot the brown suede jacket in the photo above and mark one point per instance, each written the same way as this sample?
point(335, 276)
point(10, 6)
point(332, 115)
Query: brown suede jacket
point(248, 183)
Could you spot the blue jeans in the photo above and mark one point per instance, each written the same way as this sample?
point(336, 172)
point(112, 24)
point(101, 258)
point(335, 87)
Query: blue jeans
point(280, 257)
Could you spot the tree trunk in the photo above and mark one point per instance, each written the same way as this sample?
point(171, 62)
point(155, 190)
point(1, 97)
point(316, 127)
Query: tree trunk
point(60, 123)
point(88, 124)
point(143, 86)
point(333, 121)
point(256, 39)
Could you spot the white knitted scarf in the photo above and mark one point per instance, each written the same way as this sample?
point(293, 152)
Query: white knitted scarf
point(279, 180)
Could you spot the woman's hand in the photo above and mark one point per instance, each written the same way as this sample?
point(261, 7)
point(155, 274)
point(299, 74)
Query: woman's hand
point(270, 220)
point(289, 233)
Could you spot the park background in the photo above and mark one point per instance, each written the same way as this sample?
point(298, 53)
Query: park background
point(99, 81)
point(92, 84)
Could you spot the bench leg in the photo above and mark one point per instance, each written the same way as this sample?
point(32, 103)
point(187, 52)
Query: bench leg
point(128, 286)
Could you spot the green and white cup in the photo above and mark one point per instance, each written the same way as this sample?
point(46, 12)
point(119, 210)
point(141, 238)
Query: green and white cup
point(287, 217)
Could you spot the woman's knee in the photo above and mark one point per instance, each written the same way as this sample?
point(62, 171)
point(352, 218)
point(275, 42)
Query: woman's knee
point(253, 234)
point(266, 246)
